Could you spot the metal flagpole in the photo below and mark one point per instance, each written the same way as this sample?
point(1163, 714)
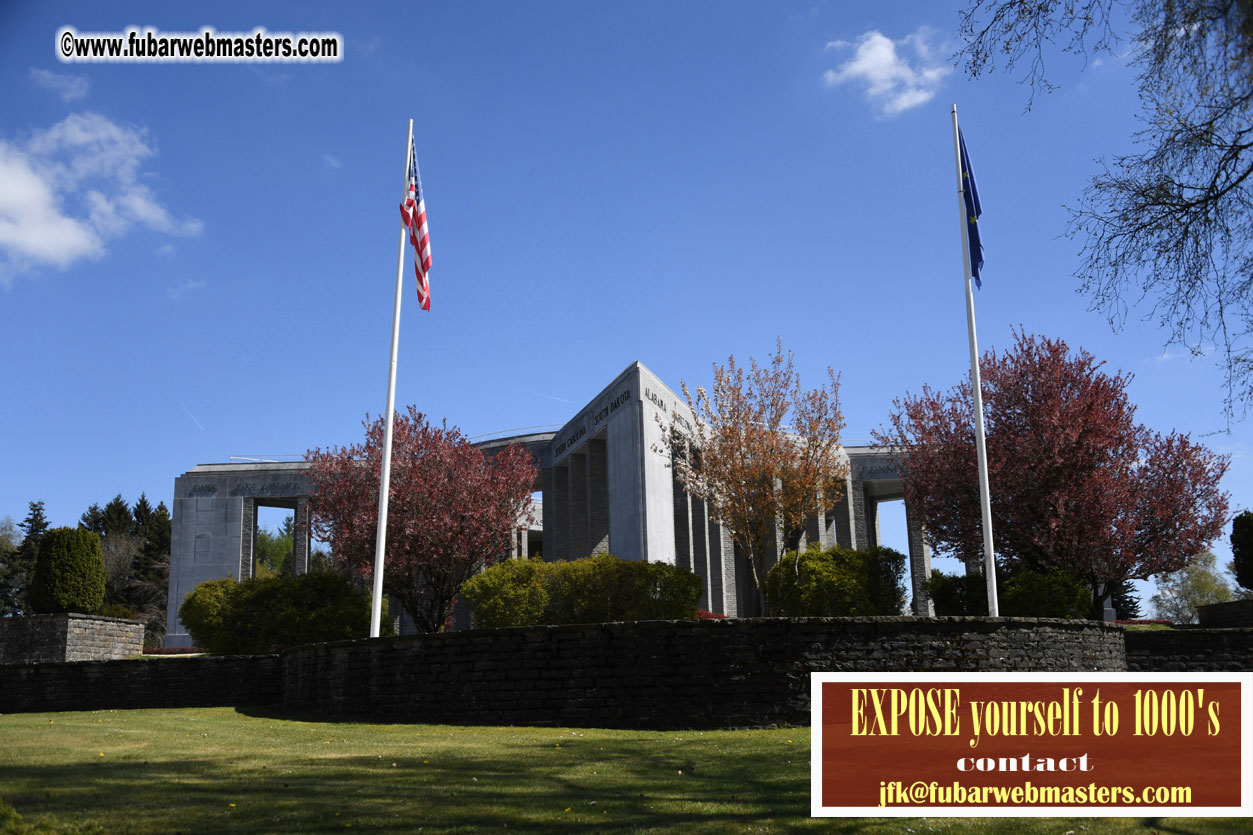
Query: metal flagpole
point(985, 500)
point(380, 540)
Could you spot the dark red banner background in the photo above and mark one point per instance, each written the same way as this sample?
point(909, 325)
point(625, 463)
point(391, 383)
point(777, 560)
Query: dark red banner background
point(854, 766)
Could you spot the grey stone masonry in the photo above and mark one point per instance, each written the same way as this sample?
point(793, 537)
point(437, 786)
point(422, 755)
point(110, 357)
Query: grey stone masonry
point(68, 637)
point(607, 482)
point(658, 674)
point(1225, 615)
point(1190, 649)
point(665, 674)
point(215, 525)
point(153, 682)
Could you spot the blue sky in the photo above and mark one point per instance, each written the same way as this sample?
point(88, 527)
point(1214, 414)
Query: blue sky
point(197, 260)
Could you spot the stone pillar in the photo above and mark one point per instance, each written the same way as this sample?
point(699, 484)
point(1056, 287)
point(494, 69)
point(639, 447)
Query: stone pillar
point(301, 536)
point(597, 495)
point(724, 579)
point(857, 499)
point(576, 510)
point(682, 524)
point(919, 565)
point(840, 519)
point(700, 549)
point(872, 521)
point(742, 582)
point(247, 538)
point(556, 484)
point(548, 499)
point(815, 529)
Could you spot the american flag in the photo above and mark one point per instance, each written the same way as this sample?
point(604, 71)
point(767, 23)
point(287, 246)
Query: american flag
point(413, 211)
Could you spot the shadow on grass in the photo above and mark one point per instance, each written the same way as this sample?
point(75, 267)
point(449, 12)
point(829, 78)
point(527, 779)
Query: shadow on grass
point(529, 787)
point(261, 775)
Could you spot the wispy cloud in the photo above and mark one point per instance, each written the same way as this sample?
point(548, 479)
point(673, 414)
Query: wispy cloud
point(271, 77)
point(68, 87)
point(332, 162)
point(896, 75)
point(1180, 353)
point(179, 290)
point(71, 188)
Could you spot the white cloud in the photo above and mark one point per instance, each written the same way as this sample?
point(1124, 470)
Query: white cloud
point(332, 161)
point(32, 227)
point(1188, 352)
point(68, 87)
point(71, 188)
point(894, 80)
point(187, 286)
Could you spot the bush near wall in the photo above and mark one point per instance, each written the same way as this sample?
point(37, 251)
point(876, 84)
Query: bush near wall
point(1019, 593)
point(259, 615)
point(837, 582)
point(69, 573)
point(597, 589)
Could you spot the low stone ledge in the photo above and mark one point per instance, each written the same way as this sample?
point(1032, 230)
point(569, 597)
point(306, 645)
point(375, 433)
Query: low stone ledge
point(189, 681)
point(666, 674)
point(1237, 613)
point(68, 637)
point(1190, 649)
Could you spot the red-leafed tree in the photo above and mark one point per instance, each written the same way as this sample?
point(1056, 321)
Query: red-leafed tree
point(1076, 482)
point(451, 511)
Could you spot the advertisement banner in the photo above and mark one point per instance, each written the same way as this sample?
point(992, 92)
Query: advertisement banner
point(1020, 744)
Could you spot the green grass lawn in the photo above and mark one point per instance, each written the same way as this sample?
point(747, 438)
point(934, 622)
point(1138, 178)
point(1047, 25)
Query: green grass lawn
point(218, 769)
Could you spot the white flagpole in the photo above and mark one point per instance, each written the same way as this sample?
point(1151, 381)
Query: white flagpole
point(380, 540)
point(985, 500)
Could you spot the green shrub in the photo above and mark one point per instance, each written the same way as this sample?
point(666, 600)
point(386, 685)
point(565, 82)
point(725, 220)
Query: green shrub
point(266, 613)
point(510, 593)
point(69, 572)
point(598, 589)
point(1051, 594)
point(203, 613)
point(1020, 592)
point(837, 582)
point(118, 610)
point(958, 594)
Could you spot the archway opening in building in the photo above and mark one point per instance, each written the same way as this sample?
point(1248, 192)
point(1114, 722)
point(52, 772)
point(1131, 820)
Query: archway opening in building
point(273, 545)
point(894, 534)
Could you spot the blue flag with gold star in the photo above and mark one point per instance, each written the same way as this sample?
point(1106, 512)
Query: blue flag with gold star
point(971, 194)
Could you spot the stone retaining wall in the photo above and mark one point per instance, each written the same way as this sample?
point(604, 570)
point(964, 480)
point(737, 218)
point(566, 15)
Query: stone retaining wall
point(714, 673)
point(662, 674)
point(1190, 650)
point(68, 637)
point(197, 681)
point(1237, 613)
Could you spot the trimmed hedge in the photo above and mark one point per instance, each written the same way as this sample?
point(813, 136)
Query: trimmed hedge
point(69, 573)
point(837, 582)
point(260, 615)
point(597, 589)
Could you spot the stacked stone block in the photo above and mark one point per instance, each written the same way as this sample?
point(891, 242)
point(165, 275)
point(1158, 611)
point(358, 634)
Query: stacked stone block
point(700, 674)
point(1190, 650)
point(167, 682)
point(662, 674)
point(68, 637)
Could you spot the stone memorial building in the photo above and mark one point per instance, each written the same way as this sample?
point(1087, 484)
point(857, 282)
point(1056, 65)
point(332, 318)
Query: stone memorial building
point(604, 488)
